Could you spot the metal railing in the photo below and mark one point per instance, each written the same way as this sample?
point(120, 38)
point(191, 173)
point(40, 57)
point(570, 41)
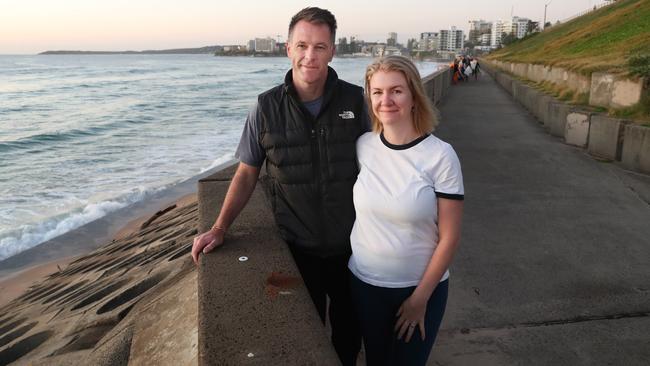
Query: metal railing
point(594, 8)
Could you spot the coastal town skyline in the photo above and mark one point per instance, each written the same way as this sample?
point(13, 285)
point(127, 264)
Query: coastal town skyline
point(35, 26)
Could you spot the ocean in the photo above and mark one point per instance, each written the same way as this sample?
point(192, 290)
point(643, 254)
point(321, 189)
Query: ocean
point(85, 135)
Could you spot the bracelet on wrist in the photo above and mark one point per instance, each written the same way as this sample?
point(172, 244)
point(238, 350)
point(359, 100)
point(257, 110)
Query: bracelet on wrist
point(216, 228)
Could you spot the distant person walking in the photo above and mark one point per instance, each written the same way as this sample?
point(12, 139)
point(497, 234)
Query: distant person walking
point(453, 68)
point(475, 67)
point(460, 70)
point(408, 199)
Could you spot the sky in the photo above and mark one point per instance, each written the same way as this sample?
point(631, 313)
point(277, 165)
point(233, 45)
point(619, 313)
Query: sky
point(32, 26)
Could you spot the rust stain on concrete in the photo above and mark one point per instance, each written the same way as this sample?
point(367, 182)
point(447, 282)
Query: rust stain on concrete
point(277, 282)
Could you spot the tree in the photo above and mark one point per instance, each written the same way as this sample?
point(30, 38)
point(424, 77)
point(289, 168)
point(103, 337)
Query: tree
point(354, 47)
point(411, 44)
point(508, 38)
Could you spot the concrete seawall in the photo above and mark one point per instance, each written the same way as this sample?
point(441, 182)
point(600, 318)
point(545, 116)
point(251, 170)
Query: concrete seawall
point(604, 137)
point(253, 305)
point(603, 89)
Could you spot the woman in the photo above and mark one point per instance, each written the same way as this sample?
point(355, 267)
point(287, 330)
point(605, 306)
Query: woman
point(408, 200)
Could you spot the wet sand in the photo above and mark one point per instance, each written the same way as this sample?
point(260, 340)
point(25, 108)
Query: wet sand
point(18, 272)
point(14, 284)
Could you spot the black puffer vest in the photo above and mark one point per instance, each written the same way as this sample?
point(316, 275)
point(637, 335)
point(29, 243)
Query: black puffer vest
point(312, 163)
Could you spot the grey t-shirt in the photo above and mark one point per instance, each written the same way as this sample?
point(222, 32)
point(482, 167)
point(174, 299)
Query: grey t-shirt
point(314, 106)
point(250, 152)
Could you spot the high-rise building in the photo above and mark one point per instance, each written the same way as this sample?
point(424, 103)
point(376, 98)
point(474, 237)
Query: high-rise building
point(451, 40)
point(429, 41)
point(265, 44)
point(477, 28)
point(497, 30)
point(392, 39)
point(517, 26)
point(485, 39)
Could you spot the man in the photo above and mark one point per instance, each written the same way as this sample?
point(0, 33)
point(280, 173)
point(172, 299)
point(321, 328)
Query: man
point(306, 129)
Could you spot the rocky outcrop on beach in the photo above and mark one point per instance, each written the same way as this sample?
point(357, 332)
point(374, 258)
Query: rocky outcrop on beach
point(134, 300)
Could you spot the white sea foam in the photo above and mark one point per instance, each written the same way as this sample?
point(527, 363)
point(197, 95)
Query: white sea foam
point(30, 235)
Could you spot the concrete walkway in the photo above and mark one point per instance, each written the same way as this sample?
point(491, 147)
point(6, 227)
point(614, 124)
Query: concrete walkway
point(554, 264)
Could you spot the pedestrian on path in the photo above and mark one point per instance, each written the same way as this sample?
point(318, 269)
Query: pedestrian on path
point(408, 199)
point(460, 69)
point(475, 67)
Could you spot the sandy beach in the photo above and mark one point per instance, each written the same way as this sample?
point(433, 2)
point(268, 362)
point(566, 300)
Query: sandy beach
point(99, 232)
point(14, 284)
point(79, 308)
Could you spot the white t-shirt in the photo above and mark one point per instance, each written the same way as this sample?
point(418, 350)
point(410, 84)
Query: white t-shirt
point(395, 198)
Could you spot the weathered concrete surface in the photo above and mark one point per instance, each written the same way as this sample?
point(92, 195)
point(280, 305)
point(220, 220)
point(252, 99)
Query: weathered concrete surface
point(542, 110)
point(608, 90)
point(436, 84)
point(577, 128)
point(580, 343)
point(505, 81)
point(603, 89)
point(636, 148)
point(626, 93)
point(114, 352)
point(552, 266)
point(538, 73)
point(97, 310)
point(255, 311)
point(520, 92)
point(558, 113)
point(166, 331)
point(606, 137)
point(532, 99)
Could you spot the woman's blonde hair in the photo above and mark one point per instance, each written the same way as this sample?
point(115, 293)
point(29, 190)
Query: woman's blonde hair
point(425, 117)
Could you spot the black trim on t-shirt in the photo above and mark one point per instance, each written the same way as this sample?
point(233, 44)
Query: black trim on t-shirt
point(458, 197)
point(402, 147)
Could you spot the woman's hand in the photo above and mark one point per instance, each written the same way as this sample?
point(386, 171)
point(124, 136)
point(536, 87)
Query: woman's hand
point(410, 315)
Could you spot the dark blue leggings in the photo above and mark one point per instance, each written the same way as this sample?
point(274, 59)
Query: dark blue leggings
point(377, 306)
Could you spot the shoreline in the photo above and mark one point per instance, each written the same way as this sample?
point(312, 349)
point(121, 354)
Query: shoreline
point(94, 234)
point(16, 283)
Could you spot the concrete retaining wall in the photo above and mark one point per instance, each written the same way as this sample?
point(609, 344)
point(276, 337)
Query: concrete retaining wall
point(610, 91)
point(257, 310)
point(577, 128)
point(636, 149)
point(542, 109)
point(557, 116)
point(504, 80)
point(604, 90)
point(530, 102)
point(604, 137)
point(436, 85)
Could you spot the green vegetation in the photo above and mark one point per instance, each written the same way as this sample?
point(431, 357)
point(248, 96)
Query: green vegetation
point(615, 38)
point(639, 112)
point(640, 65)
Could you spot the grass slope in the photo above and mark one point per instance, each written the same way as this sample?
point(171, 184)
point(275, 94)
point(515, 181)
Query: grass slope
point(603, 40)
